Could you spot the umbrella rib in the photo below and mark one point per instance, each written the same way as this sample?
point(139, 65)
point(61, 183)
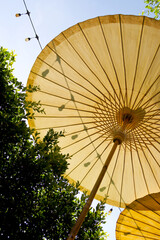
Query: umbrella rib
point(148, 101)
point(107, 171)
point(80, 131)
point(143, 126)
point(105, 115)
point(142, 132)
point(112, 113)
point(93, 122)
point(62, 73)
point(91, 135)
point(144, 140)
point(152, 118)
point(141, 165)
point(137, 61)
point(67, 99)
point(152, 105)
point(124, 65)
point(130, 209)
point(141, 230)
point(122, 178)
point(153, 122)
point(87, 144)
point(88, 172)
point(108, 106)
point(95, 162)
point(150, 209)
point(85, 37)
point(72, 109)
point(134, 234)
point(155, 200)
point(145, 78)
point(67, 116)
point(150, 140)
point(150, 111)
point(81, 110)
point(111, 177)
point(67, 125)
point(111, 61)
point(87, 67)
point(58, 84)
point(70, 89)
point(91, 142)
point(148, 90)
point(152, 129)
point(87, 157)
point(149, 164)
point(149, 130)
point(100, 122)
point(133, 172)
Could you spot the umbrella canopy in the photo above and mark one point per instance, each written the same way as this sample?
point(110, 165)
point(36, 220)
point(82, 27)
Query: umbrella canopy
point(140, 220)
point(95, 77)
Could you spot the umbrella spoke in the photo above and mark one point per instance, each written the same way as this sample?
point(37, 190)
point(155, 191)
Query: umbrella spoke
point(141, 218)
point(122, 46)
point(145, 157)
point(111, 177)
point(139, 159)
point(91, 142)
point(73, 91)
point(110, 82)
point(148, 90)
point(140, 89)
point(122, 177)
point(148, 148)
point(84, 78)
point(133, 171)
point(119, 85)
point(99, 157)
point(138, 221)
point(147, 131)
point(145, 104)
point(137, 61)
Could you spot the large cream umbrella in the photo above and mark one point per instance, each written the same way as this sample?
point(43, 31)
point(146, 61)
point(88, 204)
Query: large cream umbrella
point(99, 82)
point(140, 220)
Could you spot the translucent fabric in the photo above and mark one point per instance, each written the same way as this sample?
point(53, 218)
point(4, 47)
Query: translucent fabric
point(93, 77)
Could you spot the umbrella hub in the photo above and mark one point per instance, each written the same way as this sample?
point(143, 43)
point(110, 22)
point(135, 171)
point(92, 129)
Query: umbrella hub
point(129, 119)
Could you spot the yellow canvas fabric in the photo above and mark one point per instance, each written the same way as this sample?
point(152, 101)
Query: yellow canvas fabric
point(91, 77)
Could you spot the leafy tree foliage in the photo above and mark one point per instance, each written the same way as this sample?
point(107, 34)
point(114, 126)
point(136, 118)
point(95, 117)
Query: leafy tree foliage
point(153, 6)
point(36, 202)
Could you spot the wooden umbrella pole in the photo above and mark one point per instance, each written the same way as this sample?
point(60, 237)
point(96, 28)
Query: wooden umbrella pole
point(86, 207)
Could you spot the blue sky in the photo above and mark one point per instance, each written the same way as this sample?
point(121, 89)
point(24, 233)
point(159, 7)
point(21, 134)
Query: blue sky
point(51, 17)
